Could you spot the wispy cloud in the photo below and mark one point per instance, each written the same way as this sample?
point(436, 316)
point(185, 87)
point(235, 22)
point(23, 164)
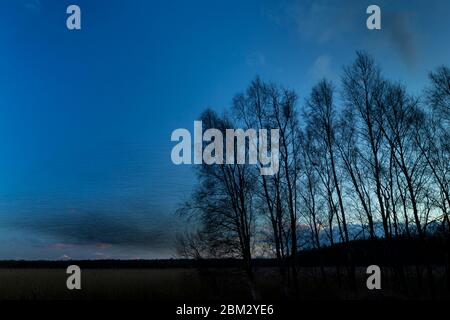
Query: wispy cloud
point(32, 5)
point(102, 229)
point(402, 36)
point(65, 257)
point(323, 21)
point(256, 60)
point(322, 68)
point(326, 22)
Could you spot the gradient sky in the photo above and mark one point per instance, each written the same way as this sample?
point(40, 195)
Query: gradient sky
point(86, 116)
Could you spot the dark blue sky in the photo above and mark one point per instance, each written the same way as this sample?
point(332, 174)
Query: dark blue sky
point(86, 116)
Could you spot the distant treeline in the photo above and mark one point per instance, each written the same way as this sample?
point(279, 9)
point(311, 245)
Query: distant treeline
point(400, 251)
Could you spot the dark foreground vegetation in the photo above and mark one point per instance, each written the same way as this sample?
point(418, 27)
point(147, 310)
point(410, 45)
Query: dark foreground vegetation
point(211, 284)
point(409, 270)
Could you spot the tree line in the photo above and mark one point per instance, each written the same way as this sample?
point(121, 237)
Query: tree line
point(362, 160)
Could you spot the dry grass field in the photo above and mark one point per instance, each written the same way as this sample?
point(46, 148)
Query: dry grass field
point(190, 284)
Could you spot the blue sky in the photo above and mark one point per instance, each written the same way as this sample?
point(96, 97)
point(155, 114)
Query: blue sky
point(86, 116)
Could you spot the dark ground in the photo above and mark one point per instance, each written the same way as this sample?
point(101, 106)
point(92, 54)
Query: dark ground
point(323, 274)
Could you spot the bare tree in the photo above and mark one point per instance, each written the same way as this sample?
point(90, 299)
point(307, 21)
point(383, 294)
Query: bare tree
point(321, 117)
point(434, 137)
point(401, 120)
point(194, 245)
point(362, 90)
point(253, 110)
point(438, 94)
point(223, 203)
point(352, 159)
point(266, 106)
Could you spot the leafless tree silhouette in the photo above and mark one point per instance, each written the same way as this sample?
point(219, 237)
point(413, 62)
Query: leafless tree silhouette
point(366, 161)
